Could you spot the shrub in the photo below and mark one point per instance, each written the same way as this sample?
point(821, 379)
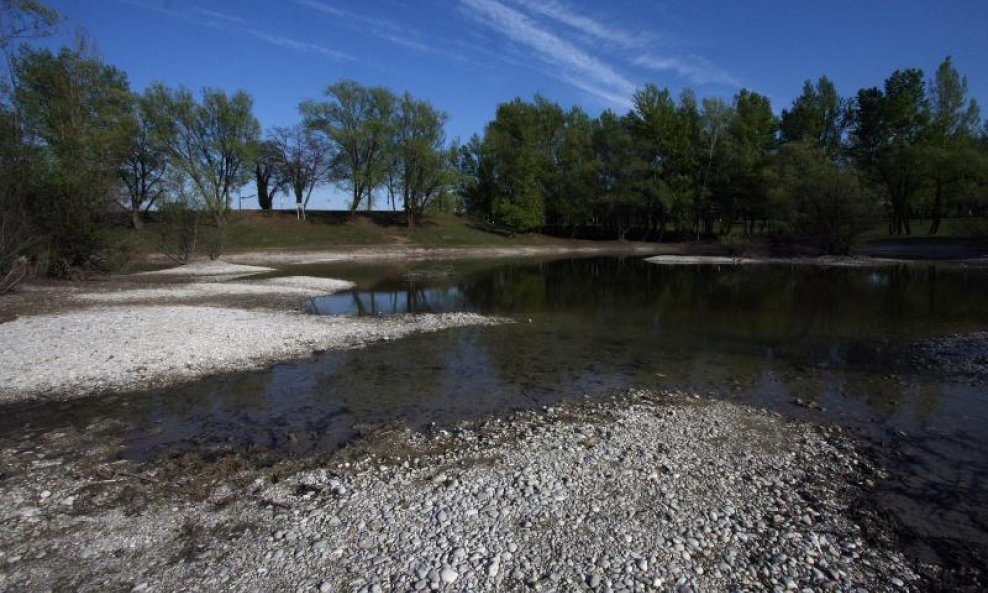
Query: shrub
point(187, 230)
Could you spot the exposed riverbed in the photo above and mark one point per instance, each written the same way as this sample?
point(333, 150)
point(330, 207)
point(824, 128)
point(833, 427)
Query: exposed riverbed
point(832, 345)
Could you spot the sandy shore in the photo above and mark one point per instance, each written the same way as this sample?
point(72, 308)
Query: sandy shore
point(648, 492)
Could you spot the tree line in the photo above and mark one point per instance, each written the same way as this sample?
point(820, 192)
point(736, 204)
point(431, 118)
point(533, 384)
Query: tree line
point(77, 144)
point(823, 171)
point(78, 147)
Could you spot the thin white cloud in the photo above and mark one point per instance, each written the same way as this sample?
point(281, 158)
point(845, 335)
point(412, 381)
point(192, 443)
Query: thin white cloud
point(695, 68)
point(380, 28)
point(587, 25)
point(227, 22)
point(569, 62)
point(220, 16)
point(237, 24)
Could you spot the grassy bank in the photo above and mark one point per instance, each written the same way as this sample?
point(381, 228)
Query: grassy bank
point(254, 230)
point(261, 231)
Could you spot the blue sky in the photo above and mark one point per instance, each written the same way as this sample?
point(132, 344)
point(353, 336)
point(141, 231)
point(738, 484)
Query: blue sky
point(466, 56)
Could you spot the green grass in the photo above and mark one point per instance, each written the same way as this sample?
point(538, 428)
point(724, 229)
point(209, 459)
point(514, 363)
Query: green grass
point(950, 228)
point(447, 230)
point(248, 231)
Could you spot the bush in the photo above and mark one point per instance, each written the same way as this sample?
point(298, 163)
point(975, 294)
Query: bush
point(734, 244)
point(187, 230)
point(975, 228)
point(15, 240)
point(829, 206)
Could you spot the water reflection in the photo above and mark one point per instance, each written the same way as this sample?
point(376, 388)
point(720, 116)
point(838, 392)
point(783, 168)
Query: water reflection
point(408, 299)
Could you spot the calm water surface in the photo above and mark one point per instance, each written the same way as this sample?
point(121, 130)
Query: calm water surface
point(765, 334)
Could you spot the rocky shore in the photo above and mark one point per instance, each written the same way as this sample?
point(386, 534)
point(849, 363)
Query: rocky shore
point(643, 492)
point(958, 357)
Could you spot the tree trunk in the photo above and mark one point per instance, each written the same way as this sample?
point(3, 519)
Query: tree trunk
point(355, 202)
point(135, 217)
point(937, 209)
point(263, 197)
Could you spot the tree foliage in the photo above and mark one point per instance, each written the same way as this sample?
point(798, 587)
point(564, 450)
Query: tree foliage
point(420, 168)
point(303, 160)
point(888, 129)
point(705, 166)
point(827, 205)
point(212, 141)
point(78, 147)
point(817, 115)
point(78, 125)
point(268, 178)
point(358, 121)
point(146, 165)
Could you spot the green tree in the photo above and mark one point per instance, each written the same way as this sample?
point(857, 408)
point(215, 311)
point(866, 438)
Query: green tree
point(21, 20)
point(818, 115)
point(78, 120)
point(475, 176)
point(268, 180)
point(421, 169)
point(714, 123)
point(358, 122)
point(521, 143)
point(827, 206)
point(304, 160)
point(577, 173)
point(752, 140)
point(657, 130)
point(620, 195)
point(145, 167)
point(951, 154)
point(888, 130)
point(213, 142)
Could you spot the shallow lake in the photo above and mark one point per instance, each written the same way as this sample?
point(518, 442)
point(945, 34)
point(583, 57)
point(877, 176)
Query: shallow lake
point(763, 334)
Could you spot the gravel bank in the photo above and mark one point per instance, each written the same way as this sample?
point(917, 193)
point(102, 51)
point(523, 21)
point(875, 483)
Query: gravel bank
point(642, 493)
point(210, 268)
point(120, 348)
point(289, 286)
point(959, 357)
